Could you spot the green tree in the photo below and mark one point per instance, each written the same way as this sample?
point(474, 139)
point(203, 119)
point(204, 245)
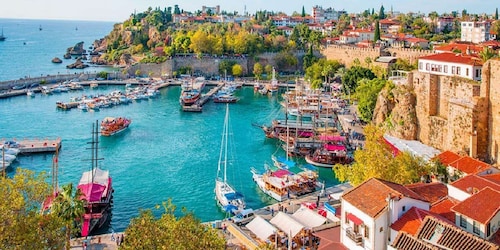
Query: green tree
point(237, 70)
point(226, 66)
point(269, 70)
point(366, 94)
point(303, 11)
point(22, 226)
point(184, 232)
point(69, 206)
point(258, 69)
point(309, 58)
point(496, 14)
point(487, 54)
point(177, 11)
point(376, 36)
point(377, 160)
point(381, 13)
point(352, 76)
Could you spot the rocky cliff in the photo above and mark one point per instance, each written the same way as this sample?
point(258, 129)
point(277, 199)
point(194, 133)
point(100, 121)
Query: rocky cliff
point(395, 109)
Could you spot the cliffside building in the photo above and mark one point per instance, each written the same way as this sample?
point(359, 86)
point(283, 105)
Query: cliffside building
point(475, 32)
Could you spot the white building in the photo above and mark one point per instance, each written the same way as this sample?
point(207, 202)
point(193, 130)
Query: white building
point(356, 36)
point(370, 208)
point(450, 64)
point(321, 15)
point(475, 32)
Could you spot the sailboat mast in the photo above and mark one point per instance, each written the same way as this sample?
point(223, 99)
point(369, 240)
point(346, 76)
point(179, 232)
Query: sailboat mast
point(226, 129)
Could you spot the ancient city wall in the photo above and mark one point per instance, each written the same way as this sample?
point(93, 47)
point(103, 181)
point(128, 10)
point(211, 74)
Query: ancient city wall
point(449, 111)
point(411, 55)
point(348, 54)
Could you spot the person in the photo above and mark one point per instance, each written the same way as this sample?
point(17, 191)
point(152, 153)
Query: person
point(118, 240)
point(224, 228)
point(272, 211)
point(121, 239)
point(286, 210)
point(113, 236)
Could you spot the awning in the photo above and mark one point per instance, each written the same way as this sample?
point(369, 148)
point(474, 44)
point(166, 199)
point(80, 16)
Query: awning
point(261, 228)
point(286, 223)
point(308, 217)
point(354, 219)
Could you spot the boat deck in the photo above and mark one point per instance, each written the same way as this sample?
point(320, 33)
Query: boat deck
point(198, 106)
point(28, 146)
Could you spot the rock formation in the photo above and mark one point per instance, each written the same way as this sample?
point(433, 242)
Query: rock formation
point(396, 108)
point(77, 65)
point(76, 50)
point(57, 60)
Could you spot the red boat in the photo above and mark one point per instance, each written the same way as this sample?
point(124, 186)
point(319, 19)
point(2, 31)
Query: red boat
point(96, 187)
point(112, 125)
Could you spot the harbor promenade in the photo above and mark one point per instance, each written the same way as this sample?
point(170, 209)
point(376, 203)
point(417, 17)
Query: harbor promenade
point(28, 146)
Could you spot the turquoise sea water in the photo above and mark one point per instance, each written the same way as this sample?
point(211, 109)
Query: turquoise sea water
point(166, 153)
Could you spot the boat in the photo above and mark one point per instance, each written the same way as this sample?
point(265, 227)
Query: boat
point(30, 93)
point(97, 190)
point(273, 88)
point(329, 155)
point(114, 125)
point(225, 99)
point(191, 92)
point(227, 198)
point(2, 37)
point(40, 28)
point(283, 184)
point(83, 107)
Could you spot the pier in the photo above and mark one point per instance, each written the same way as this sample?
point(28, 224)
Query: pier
point(198, 106)
point(29, 146)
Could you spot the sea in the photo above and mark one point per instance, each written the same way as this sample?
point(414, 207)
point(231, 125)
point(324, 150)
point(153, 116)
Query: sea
point(165, 154)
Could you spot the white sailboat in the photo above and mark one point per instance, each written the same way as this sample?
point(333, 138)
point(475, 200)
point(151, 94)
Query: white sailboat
point(227, 198)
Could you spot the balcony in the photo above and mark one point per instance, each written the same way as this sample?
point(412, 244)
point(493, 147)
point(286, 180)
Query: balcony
point(356, 237)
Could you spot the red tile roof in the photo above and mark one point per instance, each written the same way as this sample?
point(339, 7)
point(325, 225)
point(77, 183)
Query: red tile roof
point(447, 157)
point(473, 183)
point(443, 208)
point(459, 46)
point(411, 220)
point(416, 40)
point(469, 165)
point(370, 196)
point(492, 177)
point(432, 192)
point(453, 58)
point(481, 207)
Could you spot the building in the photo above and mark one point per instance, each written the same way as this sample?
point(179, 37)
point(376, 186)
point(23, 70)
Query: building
point(212, 10)
point(450, 64)
point(321, 15)
point(370, 208)
point(356, 36)
point(475, 32)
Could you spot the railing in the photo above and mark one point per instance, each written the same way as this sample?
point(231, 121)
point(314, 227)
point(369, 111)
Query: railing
point(356, 237)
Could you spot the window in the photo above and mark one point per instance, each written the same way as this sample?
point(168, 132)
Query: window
point(467, 71)
point(346, 219)
point(381, 229)
point(403, 208)
point(453, 69)
point(420, 65)
point(445, 68)
point(475, 228)
point(463, 222)
point(458, 71)
point(477, 73)
point(427, 67)
point(367, 232)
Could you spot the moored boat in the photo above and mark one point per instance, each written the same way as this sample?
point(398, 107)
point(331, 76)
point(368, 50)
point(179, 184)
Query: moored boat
point(225, 99)
point(328, 155)
point(283, 184)
point(227, 198)
point(114, 125)
point(97, 190)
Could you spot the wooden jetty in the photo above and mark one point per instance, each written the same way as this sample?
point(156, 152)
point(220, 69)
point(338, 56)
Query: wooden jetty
point(28, 146)
point(198, 106)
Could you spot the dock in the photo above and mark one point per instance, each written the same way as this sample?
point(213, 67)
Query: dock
point(198, 106)
point(30, 146)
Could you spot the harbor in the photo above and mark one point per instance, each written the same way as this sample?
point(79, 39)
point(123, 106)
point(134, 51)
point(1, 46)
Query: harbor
point(29, 146)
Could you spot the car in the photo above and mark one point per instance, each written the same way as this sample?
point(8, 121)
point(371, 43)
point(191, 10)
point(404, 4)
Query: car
point(34, 85)
point(18, 87)
point(243, 217)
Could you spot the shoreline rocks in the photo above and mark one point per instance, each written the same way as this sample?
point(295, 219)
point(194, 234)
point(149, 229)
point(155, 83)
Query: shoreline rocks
point(77, 65)
point(56, 60)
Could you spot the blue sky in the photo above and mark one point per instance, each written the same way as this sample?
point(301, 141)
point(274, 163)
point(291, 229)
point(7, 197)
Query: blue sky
point(119, 10)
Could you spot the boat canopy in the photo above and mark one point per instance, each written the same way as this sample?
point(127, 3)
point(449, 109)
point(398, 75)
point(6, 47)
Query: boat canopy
point(92, 192)
point(331, 147)
point(281, 173)
point(233, 196)
point(285, 161)
point(108, 119)
point(100, 177)
point(331, 138)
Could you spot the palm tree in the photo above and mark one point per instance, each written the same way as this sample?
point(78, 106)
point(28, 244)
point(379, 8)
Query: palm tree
point(486, 54)
point(68, 205)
